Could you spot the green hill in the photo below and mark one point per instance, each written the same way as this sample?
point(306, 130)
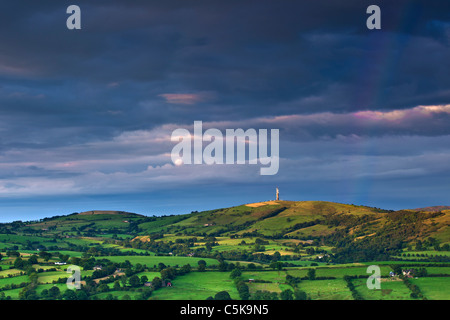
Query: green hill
point(274, 219)
point(346, 227)
point(433, 208)
point(275, 245)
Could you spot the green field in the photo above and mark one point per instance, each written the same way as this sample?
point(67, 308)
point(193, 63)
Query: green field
point(150, 261)
point(389, 290)
point(197, 286)
point(434, 288)
point(49, 277)
point(13, 280)
point(326, 289)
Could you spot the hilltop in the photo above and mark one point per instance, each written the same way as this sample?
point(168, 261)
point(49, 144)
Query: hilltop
point(297, 220)
point(345, 232)
point(106, 212)
point(432, 209)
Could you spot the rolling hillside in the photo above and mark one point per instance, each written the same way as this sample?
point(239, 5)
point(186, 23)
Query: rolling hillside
point(322, 248)
point(302, 220)
point(312, 219)
point(348, 228)
point(325, 232)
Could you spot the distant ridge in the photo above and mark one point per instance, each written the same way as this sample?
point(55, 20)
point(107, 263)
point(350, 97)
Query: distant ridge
point(287, 220)
point(432, 209)
point(92, 212)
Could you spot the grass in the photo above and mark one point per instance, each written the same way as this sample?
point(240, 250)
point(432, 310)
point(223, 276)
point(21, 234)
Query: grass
point(335, 289)
point(272, 287)
point(313, 231)
point(338, 272)
point(434, 288)
point(197, 286)
point(438, 270)
point(149, 275)
point(6, 273)
point(14, 280)
point(13, 293)
point(389, 290)
point(150, 261)
point(341, 272)
point(67, 252)
point(49, 277)
point(273, 276)
point(123, 249)
point(303, 263)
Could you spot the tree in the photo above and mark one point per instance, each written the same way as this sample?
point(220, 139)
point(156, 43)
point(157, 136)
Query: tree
point(54, 293)
point(123, 280)
point(18, 263)
point(44, 294)
point(134, 281)
point(299, 294)
point(69, 295)
point(264, 295)
point(82, 295)
point(223, 266)
point(116, 286)
point(287, 295)
point(201, 268)
point(168, 273)
point(28, 293)
point(397, 269)
point(419, 246)
point(161, 266)
point(251, 266)
point(29, 270)
point(201, 263)
point(275, 265)
point(311, 274)
point(144, 279)
point(243, 290)
point(186, 269)
point(235, 273)
point(12, 253)
point(32, 259)
point(276, 256)
point(109, 296)
point(156, 283)
point(222, 295)
point(45, 255)
point(103, 288)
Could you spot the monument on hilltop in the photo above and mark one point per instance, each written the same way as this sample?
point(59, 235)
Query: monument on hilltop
point(278, 194)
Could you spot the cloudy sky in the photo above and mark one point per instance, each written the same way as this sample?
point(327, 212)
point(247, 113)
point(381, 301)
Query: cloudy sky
point(86, 115)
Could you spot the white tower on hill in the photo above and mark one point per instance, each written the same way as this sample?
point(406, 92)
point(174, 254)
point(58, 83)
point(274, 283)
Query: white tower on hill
point(278, 194)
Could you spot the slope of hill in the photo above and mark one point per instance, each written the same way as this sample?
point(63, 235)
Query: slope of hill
point(344, 226)
point(95, 221)
point(432, 209)
point(106, 212)
point(274, 218)
point(269, 241)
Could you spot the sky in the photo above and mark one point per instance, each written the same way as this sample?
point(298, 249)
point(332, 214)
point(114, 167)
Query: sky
point(86, 116)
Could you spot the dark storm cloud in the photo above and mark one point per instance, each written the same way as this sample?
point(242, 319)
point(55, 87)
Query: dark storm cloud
point(255, 55)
